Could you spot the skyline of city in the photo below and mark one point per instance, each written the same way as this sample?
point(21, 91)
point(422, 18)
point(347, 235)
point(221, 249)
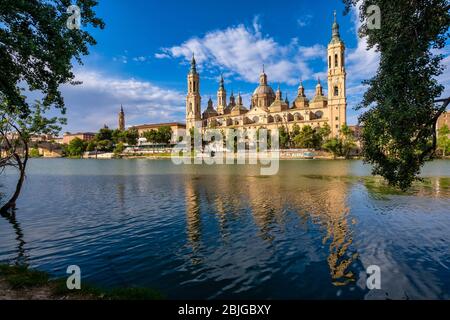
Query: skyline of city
point(143, 68)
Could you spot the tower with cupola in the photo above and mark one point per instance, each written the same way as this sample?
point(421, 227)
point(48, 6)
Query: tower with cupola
point(221, 97)
point(193, 99)
point(337, 101)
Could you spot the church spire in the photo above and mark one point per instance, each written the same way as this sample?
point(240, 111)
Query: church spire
point(193, 64)
point(239, 102)
point(335, 29)
point(121, 119)
point(222, 82)
point(263, 77)
point(301, 89)
point(319, 89)
point(278, 94)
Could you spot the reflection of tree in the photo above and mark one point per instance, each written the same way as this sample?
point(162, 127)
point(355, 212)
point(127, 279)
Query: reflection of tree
point(193, 215)
point(266, 205)
point(121, 194)
point(436, 187)
point(11, 218)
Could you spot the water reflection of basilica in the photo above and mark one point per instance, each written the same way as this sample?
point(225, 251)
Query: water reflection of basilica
point(316, 202)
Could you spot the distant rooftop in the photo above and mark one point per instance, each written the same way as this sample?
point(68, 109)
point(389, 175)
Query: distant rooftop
point(79, 133)
point(158, 125)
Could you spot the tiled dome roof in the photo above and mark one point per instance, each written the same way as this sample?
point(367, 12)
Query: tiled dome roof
point(264, 89)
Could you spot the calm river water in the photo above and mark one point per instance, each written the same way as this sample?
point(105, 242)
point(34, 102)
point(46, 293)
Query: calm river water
point(228, 232)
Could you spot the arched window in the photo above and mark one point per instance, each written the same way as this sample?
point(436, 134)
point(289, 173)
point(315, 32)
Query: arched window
point(318, 115)
point(329, 62)
point(336, 62)
point(336, 91)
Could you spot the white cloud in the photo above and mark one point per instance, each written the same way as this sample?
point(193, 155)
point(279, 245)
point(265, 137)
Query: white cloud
point(243, 50)
point(140, 59)
point(123, 59)
point(256, 24)
point(444, 78)
point(305, 20)
point(361, 63)
point(314, 52)
point(161, 56)
point(97, 101)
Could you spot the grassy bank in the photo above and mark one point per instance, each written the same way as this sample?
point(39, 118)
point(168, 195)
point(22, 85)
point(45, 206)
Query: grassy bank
point(20, 282)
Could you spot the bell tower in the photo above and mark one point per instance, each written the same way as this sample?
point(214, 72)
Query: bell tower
point(337, 98)
point(193, 99)
point(121, 119)
point(221, 97)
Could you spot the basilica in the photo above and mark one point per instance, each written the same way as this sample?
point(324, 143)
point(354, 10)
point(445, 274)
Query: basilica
point(268, 108)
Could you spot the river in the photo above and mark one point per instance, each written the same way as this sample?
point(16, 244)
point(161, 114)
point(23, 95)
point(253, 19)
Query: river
point(210, 232)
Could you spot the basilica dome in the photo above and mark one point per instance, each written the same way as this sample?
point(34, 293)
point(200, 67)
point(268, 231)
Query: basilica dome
point(264, 89)
point(264, 95)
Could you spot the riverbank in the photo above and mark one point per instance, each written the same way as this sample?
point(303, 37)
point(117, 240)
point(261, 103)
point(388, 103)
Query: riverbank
point(288, 154)
point(22, 283)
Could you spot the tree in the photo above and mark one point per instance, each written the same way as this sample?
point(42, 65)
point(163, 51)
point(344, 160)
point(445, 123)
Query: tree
point(163, 135)
point(151, 136)
point(15, 134)
point(34, 153)
point(295, 130)
point(443, 140)
point(347, 141)
point(341, 146)
point(334, 145)
point(399, 126)
point(105, 139)
point(119, 148)
point(36, 52)
point(76, 147)
point(324, 132)
point(284, 137)
point(105, 145)
point(104, 134)
point(307, 138)
point(131, 137)
point(117, 136)
point(91, 146)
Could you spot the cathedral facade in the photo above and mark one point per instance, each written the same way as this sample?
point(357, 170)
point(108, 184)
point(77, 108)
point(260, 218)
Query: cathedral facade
point(268, 109)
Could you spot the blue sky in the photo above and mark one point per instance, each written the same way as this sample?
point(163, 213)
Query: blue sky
point(141, 59)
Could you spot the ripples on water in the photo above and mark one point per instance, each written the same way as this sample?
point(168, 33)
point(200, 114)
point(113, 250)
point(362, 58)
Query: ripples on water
point(227, 232)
